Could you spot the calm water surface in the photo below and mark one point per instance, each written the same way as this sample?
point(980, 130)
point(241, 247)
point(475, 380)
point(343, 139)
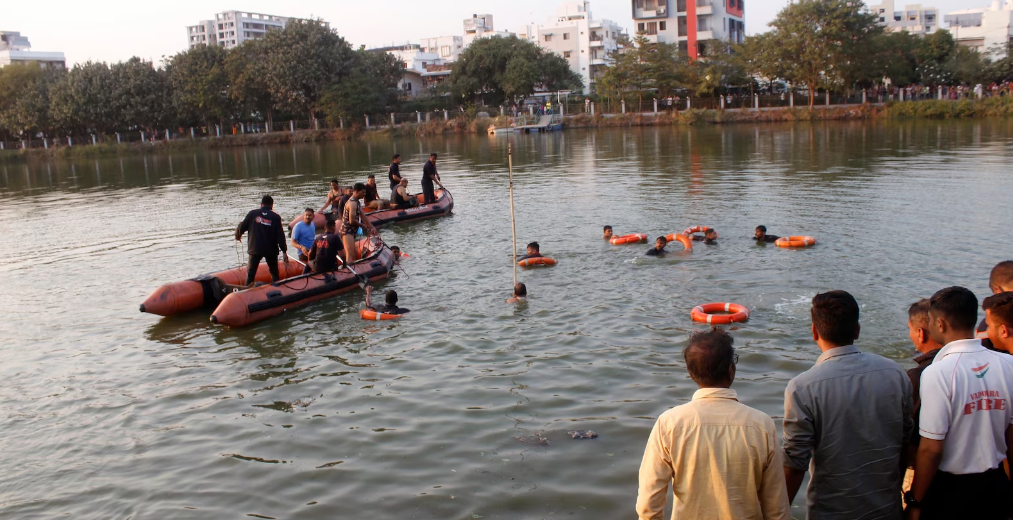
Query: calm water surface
point(108, 413)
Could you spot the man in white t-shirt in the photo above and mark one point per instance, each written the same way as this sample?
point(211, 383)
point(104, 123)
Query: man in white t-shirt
point(965, 420)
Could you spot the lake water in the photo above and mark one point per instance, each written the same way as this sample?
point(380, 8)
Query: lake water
point(109, 413)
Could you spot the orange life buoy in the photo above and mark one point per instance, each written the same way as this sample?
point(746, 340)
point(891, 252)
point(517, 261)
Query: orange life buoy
point(704, 313)
point(800, 241)
point(696, 229)
point(685, 240)
point(628, 239)
point(370, 314)
point(538, 260)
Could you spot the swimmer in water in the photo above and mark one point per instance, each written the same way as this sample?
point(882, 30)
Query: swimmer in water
point(608, 233)
point(397, 253)
point(762, 236)
point(520, 294)
point(390, 307)
point(532, 252)
point(659, 247)
point(710, 237)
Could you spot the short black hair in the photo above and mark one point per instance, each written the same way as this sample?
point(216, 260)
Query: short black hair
point(958, 305)
point(1002, 274)
point(371, 176)
point(1001, 307)
point(835, 316)
point(761, 228)
point(396, 156)
point(520, 290)
point(311, 210)
point(392, 297)
point(359, 187)
point(331, 225)
point(395, 248)
point(663, 239)
point(918, 313)
point(266, 200)
point(607, 228)
point(709, 231)
point(709, 356)
point(433, 155)
point(334, 181)
point(533, 245)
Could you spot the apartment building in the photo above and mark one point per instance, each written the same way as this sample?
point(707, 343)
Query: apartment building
point(692, 24)
point(447, 47)
point(984, 28)
point(232, 28)
point(585, 43)
point(422, 68)
point(914, 18)
point(480, 26)
point(16, 49)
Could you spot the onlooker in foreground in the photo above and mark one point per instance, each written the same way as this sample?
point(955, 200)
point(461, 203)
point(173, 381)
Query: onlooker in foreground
point(918, 331)
point(721, 456)
point(1000, 280)
point(965, 420)
point(999, 315)
point(847, 419)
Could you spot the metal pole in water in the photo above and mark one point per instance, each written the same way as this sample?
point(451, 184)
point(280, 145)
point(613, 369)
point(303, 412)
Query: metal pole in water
point(513, 223)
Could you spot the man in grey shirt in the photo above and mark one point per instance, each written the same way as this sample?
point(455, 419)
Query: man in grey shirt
point(847, 419)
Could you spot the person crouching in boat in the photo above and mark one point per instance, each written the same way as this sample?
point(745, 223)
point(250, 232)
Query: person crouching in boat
point(351, 220)
point(267, 236)
point(532, 252)
point(302, 238)
point(388, 308)
point(400, 197)
point(325, 250)
point(335, 200)
point(372, 198)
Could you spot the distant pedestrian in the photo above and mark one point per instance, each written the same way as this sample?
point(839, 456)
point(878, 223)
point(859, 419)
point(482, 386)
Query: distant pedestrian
point(587, 105)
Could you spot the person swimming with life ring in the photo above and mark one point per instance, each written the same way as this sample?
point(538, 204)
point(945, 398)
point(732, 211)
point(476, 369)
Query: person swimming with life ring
point(389, 307)
point(607, 235)
point(659, 247)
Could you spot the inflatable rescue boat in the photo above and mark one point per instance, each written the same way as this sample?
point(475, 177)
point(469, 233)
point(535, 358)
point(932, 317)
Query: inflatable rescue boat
point(207, 290)
point(248, 306)
point(443, 206)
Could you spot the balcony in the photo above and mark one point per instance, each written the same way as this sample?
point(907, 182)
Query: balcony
point(704, 35)
point(704, 7)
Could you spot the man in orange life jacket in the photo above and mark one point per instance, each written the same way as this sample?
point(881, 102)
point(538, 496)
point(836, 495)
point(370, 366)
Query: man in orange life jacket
point(267, 236)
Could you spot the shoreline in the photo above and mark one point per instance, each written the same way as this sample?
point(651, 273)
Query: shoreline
point(929, 109)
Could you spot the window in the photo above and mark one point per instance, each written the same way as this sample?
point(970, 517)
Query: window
point(701, 23)
point(640, 27)
point(548, 37)
point(662, 26)
point(682, 26)
point(650, 5)
point(680, 5)
point(445, 51)
point(912, 18)
point(566, 54)
point(930, 18)
point(896, 17)
point(882, 20)
point(640, 4)
point(652, 28)
point(881, 11)
point(683, 46)
point(566, 36)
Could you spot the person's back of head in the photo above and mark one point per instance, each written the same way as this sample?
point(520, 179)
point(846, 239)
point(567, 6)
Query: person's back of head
point(835, 317)
point(359, 187)
point(267, 201)
point(392, 297)
point(711, 233)
point(330, 226)
point(520, 290)
point(1001, 277)
point(957, 307)
point(534, 245)
point(710, 357)
point(918, 313)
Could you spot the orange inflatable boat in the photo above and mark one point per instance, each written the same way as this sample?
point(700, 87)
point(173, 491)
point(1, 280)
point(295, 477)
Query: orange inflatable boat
point(443, 206)
point(208, 290)
point(242, 308)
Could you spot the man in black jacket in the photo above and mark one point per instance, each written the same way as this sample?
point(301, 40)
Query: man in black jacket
point(267, 237)
point(429, 176)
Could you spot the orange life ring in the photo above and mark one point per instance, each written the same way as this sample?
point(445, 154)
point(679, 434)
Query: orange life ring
point(704, 313)
point(800, 241)
point(370, 314)
point(685, 240)
point(538, 260)
point(628, 239)
point(696, 229)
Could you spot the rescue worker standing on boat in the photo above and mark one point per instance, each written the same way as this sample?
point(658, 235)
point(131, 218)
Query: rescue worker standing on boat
point(267, 237)
point(429, 176)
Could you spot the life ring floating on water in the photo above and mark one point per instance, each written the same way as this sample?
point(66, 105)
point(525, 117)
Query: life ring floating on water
point(696, 229)
point(628, 239)
point(705, 313)
point(799, 241)
point(685, 240)
point(538, 260)
point(371, 315)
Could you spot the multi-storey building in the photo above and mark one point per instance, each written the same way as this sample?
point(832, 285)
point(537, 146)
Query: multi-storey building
point(585, 43)
point(15, 49)
point(914, 19)
point(984, 28)
point(446, 47)
point(422, 68)
point(232, 28)
point(692, 24)
point(480, 26)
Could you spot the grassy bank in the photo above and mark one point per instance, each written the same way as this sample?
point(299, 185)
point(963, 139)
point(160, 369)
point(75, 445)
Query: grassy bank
point(944, 109)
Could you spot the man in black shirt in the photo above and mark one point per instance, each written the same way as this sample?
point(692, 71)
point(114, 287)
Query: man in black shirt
point(762, 236)
point(659, 247)
point(532, 252)
point(372, 198)
point(1000, 280)
point(267, 236)
point(710, 237)
point(918, 332)
point(325, 249)
point(390, 307)
point(394, 174)
point(429, 176)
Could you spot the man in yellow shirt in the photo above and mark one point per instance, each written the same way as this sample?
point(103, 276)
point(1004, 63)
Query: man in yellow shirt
point(721, 456)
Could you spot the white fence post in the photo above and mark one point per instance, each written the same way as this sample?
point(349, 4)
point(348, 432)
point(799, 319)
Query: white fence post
point(45, 143)
point(341, 122)
point(70, 141)
point(722, 98)
point(689, 102)
point(655, 105)
point(592, 109)
point(367, 121)
point(756, 102)
point(791, 99)
point(316, 124)
point(624, 106)
point(142, 137)
point(864, 99)
point(291, 125)
point(392, 122)
point(827, 99)
point(418, 115)
point(118, 139)
point(446, 117)
point(168, 135)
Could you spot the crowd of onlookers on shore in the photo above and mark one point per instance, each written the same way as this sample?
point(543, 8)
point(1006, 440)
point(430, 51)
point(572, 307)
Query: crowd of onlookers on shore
point(878, 443)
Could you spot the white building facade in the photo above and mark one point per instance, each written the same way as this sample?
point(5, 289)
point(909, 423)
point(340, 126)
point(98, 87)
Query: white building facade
point(694, 25)
point(983, 28)
point(448, 48)
point(16, 49)
point(422, 69)
point(585, 43)
point(232, 28)
point(914, 18)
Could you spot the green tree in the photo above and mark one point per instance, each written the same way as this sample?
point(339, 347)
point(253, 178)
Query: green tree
point(24, 100)
point(369, 88)
point(1001, 69)
point(932, 52)
point(200, 84)
point(249, 84)
point(499, 69)
point(140, 96)
point(82, 101)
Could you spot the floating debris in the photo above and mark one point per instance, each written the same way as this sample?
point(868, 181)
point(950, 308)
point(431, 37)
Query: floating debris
point(536, 439)
point(582, 434)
